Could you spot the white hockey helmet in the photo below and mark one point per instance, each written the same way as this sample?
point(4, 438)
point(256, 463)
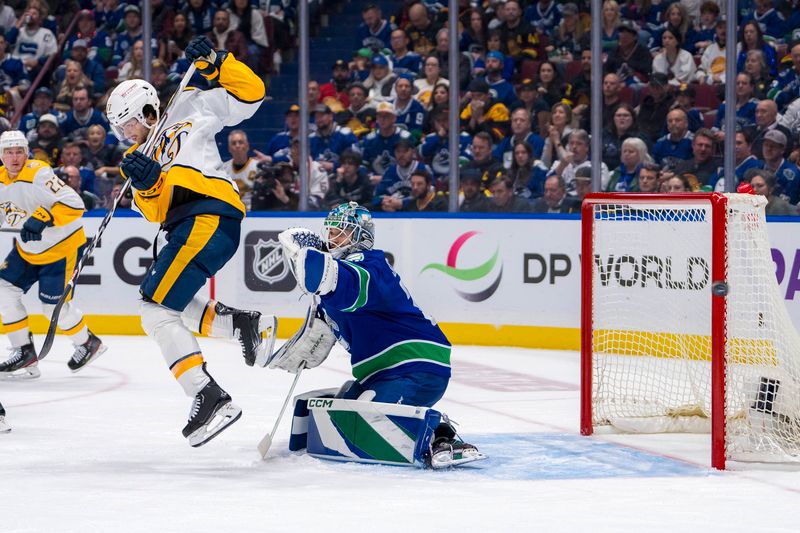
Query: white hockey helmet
point(128, 100)
point(13, 139)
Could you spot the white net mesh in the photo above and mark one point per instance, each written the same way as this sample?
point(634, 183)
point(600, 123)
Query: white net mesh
point(651, 326)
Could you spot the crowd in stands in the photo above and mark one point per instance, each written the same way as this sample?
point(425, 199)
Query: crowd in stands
point(382, 120)
point(380, 123)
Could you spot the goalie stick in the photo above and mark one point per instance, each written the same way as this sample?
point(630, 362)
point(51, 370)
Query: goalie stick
point(266, 442)
point(148, 148)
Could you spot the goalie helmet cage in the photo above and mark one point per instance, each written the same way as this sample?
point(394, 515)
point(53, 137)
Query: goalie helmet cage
point(683, 328)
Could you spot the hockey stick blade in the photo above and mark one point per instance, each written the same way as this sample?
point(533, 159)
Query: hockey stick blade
point(266, 442)
point(90, 246)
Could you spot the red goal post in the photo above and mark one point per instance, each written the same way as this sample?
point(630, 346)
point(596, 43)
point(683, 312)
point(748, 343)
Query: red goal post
point(682, 325)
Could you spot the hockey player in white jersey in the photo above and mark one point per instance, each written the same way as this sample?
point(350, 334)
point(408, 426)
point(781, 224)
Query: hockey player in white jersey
point(184, 188)
point(48, 213)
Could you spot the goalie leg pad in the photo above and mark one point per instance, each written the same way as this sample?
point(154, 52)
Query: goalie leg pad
point(310, 345)
point(15, 316)
point(299, 436)
point(370, 432)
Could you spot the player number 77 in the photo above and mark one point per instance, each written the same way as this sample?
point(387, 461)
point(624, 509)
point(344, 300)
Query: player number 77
point(148, 148)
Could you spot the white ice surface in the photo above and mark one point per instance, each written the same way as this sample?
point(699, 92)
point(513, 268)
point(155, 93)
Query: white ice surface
point(102, 451)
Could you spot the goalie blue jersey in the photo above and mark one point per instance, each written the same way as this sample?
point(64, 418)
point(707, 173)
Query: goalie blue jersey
point(377, 321)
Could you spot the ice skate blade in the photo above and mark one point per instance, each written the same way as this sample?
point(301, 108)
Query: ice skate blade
point(96, 356)
point(267, 327)
point(444, 460)
point(29, 372)
point(222, 418)
point(4, 427)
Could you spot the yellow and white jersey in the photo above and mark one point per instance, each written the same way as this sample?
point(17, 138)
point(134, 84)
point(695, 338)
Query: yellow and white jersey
point(193, 179)
point(36, 186)
point(243, 177)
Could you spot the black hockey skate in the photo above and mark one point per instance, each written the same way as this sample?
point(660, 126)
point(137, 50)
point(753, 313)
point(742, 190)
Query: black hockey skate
point(254, 331)
point(448, 450)
point(22, 364)
point(212, 412)
point(86, 353)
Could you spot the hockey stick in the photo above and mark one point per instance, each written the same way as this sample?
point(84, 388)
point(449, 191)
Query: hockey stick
point(10, 230)
point(266, 442)
point(92, 243)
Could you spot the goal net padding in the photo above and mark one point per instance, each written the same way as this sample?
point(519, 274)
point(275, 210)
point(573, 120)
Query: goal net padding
point(683, 325)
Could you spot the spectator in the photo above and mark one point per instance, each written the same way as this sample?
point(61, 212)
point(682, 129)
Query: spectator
point(767, 119)
point(378, 147)
point(583, 186)
point(133, 66)
point(551, 88)
point(679, 24)
point(381, 79)
point(249, 21)
point(483, 113)
point(103, 158)
point(200, 15)
point(786, 87)
point(473, 198)
point(92, 69)
point(435, 148)
point(569, 37)
point(527, 173)
point(225, 37)
point(280, 144)
point(7, 16)
point(475, 31)
point(74, 79)
point(706, 28)
point(317, 175)
point(769, 19)
point(756, 66)
point(751, 38)
point(543, 15)
point(360, 115)
point(684, 99)
point(313, 93)
point(630, 60)
point(375, 32)
point(131, 33)
point(276, 189)
point(125, 200)
point(432, 76)
point(558, 131)
point(504, 200)
point(764, 183)
point(520, 133)
point(744, 160)
point(410, 113)
point(442, 53)
point(582, 83)
point(241, 168)
point(494, 43)
point(334, 93)
point(163, 15)
point(42, 104)
point(520, 39)
point(423, 195)
point(612, 97)
point(554, 199)
point(649, 178)
point(81, 116)
point(611, 23)
point(352, 182)
point(576, 156)
point(675, 183)
point(421, 30)
point(72, 176)
point(482, 160)
point(71, 156)
point(109, 15)
point(676, 145)
point(503, 90)
point(674, 61)
point(159, 79)
point(745, 106)
point(99, 43)
point(703, 164)
point(32, 44)
point(712, 62)
point(653, 110)
point(441, 96)
point(623, 126)
point(329, 140)
point(404, 60)
point(787, 174)
point(13, 80)
point(393, 192)
point(172, 44)
point(48, 142)
point(531, 101)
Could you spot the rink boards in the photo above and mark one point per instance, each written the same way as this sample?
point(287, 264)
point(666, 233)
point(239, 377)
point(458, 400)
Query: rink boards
point(488, 281)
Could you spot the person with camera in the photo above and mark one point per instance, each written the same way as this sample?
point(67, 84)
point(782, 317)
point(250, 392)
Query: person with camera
point(275, 188)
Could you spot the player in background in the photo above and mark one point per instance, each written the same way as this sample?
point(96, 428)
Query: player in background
point(185, 189)
point(51, 240)
point(408, 362)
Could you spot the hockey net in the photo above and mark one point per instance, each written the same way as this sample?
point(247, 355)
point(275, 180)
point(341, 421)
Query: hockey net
point(683, 325)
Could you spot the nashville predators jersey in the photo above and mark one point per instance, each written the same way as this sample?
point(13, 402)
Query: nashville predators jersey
point(193, 179)
point(37, 187)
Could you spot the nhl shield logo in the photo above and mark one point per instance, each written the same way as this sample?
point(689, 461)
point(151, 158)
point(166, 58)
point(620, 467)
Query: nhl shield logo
point(265, 267)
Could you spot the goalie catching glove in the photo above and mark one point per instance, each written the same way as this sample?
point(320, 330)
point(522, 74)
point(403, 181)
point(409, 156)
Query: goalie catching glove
point(316, 270)
point(310, 345)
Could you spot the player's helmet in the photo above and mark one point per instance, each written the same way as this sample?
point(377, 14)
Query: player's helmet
point(13, 139)
point(353, 220)
point(130, 100)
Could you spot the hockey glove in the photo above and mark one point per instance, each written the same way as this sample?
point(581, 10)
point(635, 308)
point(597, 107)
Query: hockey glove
point(201, 52)
point(142, 171)
point(34, 226)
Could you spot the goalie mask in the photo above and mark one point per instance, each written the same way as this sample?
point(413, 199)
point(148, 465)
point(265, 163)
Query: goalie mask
point(348, 228)
point(131, 99)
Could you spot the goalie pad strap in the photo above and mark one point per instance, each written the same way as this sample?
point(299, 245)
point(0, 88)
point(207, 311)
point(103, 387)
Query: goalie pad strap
point(317, 272)
point(310, 345)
